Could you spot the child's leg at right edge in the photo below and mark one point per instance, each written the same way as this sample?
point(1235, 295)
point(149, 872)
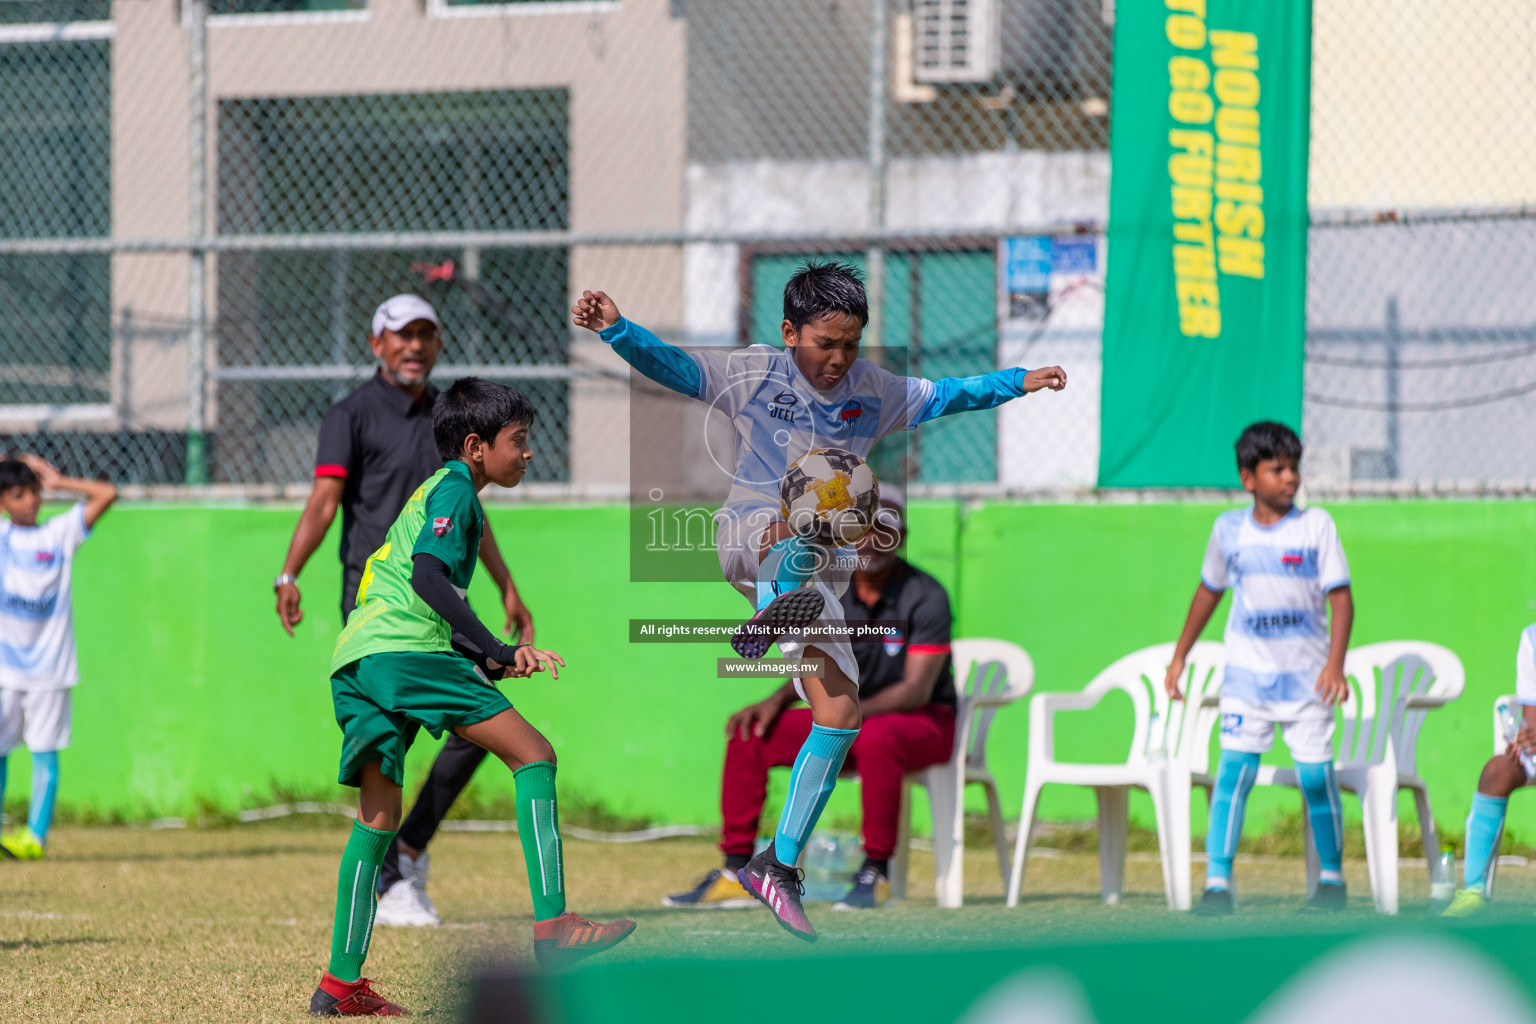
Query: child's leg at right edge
point(1502, 775)
point(771, 876)
point(559, 937)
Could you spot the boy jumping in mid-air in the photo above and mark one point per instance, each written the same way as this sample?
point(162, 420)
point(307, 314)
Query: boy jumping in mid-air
point(1502, 775)
point(814, 393)
point(395, 670)
point(1287, 632)
point(38, 668)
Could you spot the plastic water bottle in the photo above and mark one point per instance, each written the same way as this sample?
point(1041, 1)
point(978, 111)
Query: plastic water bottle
point(1157, 739)
point(830, 861)
point(1442, 881)
point(1511, 722)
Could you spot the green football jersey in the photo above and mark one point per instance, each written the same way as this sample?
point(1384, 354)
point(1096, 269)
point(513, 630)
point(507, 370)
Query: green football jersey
point(443, 519)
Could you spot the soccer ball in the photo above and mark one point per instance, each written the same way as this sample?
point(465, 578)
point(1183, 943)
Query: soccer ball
point(829, 496)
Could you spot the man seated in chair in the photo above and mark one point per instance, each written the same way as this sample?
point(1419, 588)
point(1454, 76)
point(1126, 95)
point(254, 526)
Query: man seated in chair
point(906, 694)
point(1501, 776)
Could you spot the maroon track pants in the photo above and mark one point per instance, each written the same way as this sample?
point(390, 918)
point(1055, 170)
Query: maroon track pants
point(887, 747)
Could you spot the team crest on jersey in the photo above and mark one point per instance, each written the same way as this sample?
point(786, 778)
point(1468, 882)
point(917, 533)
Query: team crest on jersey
point(852, 410)
point(441, 525)
point(892, 642)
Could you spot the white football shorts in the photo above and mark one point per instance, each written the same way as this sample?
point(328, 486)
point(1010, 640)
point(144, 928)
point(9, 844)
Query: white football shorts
point(739, 562)
point(38, 718)
point(1306, 724)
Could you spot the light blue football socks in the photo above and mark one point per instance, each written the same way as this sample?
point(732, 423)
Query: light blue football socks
point(1235, 775)
point(1320, 789)
point(1483, 826)
point(787, 565)
point(45, 790)
point(810, 784)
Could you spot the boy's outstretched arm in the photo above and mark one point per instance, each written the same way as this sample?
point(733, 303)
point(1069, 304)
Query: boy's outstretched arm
point(99, 495)
point(1200, 608)
point(1332, 687)
point(988, 390)
point(665, 364)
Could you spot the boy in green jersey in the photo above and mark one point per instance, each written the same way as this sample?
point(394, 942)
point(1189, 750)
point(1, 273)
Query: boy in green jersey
point(414, 655)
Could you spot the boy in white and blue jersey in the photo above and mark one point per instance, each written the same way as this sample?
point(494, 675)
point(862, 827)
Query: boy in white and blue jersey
point(1502, 775)
point(38, 668)
point(1286, 636)
point(813, 393)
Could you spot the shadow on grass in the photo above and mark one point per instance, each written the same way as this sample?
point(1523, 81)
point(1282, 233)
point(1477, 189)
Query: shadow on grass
point(285, 850)
point(21, 945)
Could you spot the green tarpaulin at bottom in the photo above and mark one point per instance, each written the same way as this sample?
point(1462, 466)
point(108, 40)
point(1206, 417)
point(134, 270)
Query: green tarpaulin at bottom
point(1395, 972)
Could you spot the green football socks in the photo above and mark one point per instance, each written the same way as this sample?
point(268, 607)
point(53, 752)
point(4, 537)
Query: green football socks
point(356, 899)
point(538, 826)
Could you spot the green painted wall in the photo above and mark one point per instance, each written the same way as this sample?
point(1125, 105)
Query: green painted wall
point(191, 692)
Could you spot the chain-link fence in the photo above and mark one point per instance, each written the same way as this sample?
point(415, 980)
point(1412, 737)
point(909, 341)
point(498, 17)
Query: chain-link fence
point(206, 199)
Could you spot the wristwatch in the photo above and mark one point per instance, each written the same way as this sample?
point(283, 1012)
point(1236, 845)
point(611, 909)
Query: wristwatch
point(284, 580)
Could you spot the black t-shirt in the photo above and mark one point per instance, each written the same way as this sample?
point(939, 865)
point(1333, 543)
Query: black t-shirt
point(379, 440)
point(912, 597)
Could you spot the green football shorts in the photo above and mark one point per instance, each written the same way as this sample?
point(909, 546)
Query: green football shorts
point(383, 699)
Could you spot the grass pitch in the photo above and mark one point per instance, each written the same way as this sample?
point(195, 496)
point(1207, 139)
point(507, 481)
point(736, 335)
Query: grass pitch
point(234, 924)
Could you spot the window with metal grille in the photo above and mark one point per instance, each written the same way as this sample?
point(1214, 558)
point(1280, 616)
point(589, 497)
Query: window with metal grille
point(955, 40)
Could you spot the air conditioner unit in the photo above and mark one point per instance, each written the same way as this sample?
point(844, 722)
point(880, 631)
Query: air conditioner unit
point(955, 40)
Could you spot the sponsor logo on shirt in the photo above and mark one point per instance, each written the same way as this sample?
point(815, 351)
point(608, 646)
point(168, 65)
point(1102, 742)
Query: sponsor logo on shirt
point(1293, 561)
point(783, 407)
point(852, 410)
point(29, 607)
point(46, 557)
point(441, 525)
point(893, 642)
point(1275, 622)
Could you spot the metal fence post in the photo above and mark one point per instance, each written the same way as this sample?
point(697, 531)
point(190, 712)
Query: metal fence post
point(195, 13)
point(879, 44)
point(1394, 345)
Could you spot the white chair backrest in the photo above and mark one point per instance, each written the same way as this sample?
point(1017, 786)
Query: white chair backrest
point(1176, 730)
point(988, 674)
point(1499, 742)
point(1381, 679)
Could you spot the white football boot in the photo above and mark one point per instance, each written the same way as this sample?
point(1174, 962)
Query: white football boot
point(420, 872)
point(401, 905)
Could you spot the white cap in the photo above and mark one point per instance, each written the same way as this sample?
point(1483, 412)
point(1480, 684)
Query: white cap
point(892, 495)
point(395, 312)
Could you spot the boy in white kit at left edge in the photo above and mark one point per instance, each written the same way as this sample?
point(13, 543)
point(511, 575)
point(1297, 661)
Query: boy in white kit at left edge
point(38, 666)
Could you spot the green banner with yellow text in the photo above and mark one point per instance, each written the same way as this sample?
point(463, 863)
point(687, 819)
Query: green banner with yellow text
point(1204, 321)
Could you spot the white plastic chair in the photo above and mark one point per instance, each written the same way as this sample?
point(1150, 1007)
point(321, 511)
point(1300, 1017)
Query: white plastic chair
point(1499, 743)
point(1391, 687)
point(1169, 753)
point(988, 675)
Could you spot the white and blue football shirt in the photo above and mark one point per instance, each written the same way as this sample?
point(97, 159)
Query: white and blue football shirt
point(1280, 575)
point(778, 416)
point(37, 629)
point(1525, 667)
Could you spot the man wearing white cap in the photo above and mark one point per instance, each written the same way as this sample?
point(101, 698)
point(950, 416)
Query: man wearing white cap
point(376, 447)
